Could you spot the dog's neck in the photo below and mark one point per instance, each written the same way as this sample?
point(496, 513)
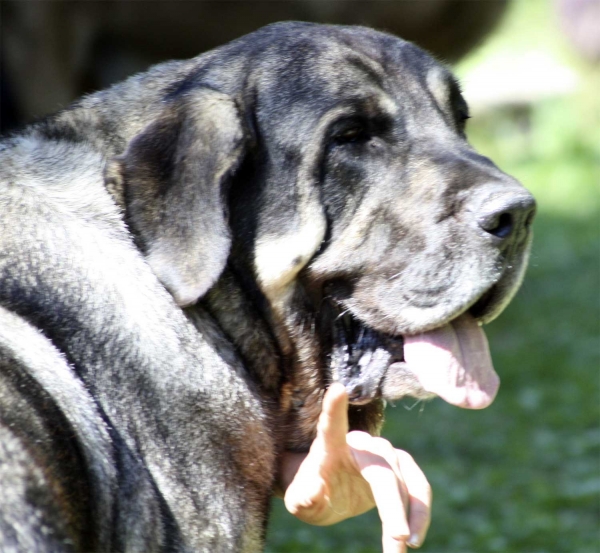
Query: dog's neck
point(241, 321)
point(287, 368)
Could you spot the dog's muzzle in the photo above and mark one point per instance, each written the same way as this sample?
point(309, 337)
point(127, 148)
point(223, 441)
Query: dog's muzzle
point(452, 362)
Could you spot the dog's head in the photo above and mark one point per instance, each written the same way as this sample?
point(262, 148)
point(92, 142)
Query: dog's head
point(369, 235)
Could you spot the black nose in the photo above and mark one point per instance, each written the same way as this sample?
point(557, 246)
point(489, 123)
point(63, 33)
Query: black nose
point(507, 216)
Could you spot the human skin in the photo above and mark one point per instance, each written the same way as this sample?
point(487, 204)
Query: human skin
point(346, 474)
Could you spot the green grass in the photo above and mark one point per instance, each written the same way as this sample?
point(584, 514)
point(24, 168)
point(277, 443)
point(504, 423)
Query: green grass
point(522, 476)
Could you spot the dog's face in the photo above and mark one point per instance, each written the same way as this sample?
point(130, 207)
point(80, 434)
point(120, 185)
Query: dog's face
point(369, 233)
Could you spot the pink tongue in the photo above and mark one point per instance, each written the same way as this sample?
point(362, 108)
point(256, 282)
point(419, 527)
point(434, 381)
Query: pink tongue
point(454, 363)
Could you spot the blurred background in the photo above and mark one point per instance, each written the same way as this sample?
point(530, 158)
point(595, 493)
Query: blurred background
point(522, 476)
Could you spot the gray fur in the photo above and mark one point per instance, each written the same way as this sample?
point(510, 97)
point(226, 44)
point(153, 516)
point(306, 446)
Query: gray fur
point(297, 176)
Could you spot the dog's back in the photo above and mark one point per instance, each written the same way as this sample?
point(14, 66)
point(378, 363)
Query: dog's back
point(117, 425)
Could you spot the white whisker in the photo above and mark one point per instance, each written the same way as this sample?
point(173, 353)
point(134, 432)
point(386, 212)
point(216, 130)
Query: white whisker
point(411, 407)
point(342, 314)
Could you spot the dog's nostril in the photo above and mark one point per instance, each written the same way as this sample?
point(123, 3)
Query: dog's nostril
point(509, 218)
point(500, 225)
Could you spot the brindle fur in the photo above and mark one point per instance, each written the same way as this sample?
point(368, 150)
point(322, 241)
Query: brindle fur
point(166, 248)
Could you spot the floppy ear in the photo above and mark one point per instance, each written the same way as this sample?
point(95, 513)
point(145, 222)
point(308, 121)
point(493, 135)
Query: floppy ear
point(175, 175)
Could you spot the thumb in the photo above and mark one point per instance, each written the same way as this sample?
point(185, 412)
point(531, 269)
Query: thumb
point(333, 421)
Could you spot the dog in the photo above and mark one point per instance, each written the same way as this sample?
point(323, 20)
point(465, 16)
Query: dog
point(189, 258)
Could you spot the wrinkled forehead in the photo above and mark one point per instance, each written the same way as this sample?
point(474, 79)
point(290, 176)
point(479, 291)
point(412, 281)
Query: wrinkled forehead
point(312, 75)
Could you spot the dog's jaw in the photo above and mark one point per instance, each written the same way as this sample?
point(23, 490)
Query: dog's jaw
point(448, 357)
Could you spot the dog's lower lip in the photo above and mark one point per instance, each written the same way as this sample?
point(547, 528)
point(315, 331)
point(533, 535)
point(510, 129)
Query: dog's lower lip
point(358, 401)
point(359, 355)
point(480, 307)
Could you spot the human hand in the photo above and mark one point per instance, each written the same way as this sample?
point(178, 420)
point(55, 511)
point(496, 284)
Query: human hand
point(346, 474)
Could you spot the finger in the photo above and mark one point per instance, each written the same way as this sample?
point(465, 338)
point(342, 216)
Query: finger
point(420, 496)
point(305, 492)
point(333, 421)
point(388, 497)
point(391, 545)
point(384, 449)
point(304, 498)
point(416, 489)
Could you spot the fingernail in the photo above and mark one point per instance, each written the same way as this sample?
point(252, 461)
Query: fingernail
point(414, 541)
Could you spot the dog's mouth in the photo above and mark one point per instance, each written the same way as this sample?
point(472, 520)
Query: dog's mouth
point(451, 361)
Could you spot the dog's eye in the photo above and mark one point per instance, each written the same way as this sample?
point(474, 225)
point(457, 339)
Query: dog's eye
point(460, 109)
point(462, 116)
point(351, 135)
point(461, 112)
